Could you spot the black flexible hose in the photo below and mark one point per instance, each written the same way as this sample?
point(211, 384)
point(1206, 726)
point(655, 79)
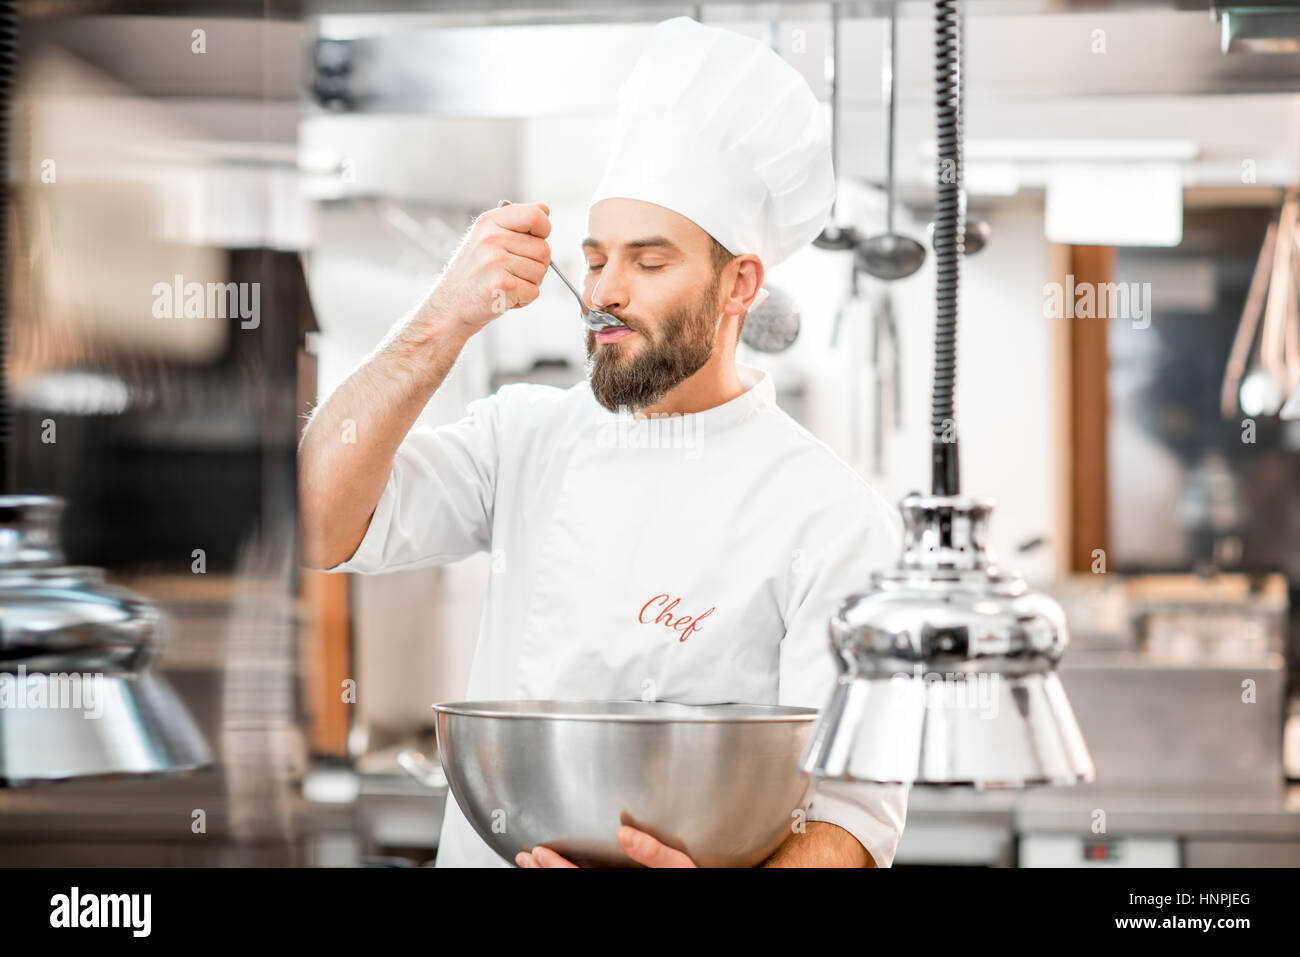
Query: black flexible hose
point(948, 232)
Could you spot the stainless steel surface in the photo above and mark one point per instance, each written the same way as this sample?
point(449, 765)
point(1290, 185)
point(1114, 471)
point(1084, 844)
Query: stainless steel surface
point(420, 64)
point(1155, 656)
point(144, 822)
point(76, 696)
point(61, 617)
point(1254, 28)
point(1072, 850)
point(1180, 619)
point(1291, 741)
point(948, 668)
point(719, 782)
point(422, 769)
point(398, 811)
point(1195, 727)
point(142, 727)
point(440, 12)
point(965, 826)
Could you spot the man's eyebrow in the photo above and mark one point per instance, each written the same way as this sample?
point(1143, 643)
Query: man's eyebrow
point(649, 242)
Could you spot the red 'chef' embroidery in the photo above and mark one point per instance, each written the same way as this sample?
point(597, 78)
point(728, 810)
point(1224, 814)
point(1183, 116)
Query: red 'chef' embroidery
point(685, 624)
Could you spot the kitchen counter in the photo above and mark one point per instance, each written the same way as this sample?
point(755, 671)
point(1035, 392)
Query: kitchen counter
point(148, 822)
point(962, 825)
point(123, 823)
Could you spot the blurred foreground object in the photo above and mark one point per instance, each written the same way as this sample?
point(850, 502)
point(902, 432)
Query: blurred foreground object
point(110, 184)
point(77, 698)
point(1260, 376)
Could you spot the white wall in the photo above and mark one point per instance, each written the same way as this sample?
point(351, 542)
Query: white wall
point(1005, 405)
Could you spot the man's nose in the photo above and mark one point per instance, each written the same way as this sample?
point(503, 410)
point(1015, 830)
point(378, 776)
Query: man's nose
point(609, 293)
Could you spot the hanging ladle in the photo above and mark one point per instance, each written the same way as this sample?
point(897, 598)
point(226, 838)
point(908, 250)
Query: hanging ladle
point(835, 236)
point(889, 256)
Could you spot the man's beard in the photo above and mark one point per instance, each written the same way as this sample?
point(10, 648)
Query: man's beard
point(679, 347)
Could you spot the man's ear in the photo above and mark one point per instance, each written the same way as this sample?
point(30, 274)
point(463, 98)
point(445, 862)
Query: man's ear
point(747, 279)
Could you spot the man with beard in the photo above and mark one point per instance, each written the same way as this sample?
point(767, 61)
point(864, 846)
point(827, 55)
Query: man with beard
point(699, 571)
point(628, 375)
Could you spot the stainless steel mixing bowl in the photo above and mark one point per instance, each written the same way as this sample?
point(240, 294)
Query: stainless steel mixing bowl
point(719, 782)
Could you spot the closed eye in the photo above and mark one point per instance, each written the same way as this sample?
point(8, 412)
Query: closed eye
point(651, 268)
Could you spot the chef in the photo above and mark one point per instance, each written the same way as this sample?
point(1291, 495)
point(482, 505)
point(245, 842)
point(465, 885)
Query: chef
point(662, 531)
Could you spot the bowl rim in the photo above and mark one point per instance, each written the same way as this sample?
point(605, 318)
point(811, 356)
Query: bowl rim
point(688, 713)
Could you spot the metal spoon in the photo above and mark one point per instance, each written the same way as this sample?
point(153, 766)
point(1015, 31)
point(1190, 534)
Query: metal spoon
point(595, 319)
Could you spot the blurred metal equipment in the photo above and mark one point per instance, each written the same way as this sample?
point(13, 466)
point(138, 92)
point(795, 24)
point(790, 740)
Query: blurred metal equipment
point(1291, 410)
point(567, 774)
point(421, 768)
point(1228, 620)
point(1258, 379)
point(77, 698)
point(947, 665)
point(1160, 727)
point(333, 64)
point(834, 236)
point(1154, 655)
point(1291, 741)
point(772, 324)
point(1259, 28)
point(889, 255)
point(885, 367)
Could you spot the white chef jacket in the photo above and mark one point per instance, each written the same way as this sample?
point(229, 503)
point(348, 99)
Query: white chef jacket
point(693, 558)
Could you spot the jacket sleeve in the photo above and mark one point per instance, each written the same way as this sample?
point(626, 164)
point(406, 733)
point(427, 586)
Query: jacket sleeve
point(437, 505)
point(835, 564)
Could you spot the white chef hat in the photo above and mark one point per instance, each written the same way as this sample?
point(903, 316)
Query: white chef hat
point(718, 128)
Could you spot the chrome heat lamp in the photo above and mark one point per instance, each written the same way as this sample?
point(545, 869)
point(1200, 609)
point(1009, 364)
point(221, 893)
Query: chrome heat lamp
point(947, 664)
point(78, 697)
